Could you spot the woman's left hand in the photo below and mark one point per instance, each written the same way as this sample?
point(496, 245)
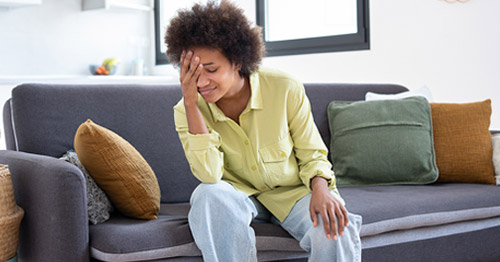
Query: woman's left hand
point(331, 210)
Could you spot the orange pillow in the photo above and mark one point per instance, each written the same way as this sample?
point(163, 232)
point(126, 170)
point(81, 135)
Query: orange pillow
point(462, 142)
point(119, 169)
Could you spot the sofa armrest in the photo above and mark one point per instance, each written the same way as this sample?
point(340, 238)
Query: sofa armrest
point(53, 195)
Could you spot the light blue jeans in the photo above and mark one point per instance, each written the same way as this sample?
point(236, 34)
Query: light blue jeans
point(220, 218)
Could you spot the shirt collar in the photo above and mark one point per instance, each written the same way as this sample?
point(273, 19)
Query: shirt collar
point(216, 112)
point(256, 97)
point(255, 101)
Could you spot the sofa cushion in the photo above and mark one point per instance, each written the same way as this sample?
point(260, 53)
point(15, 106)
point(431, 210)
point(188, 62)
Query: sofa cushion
point(99, 206)
point(495, 143)
point(423, 91)
point(382, 142)
point(126, 239)
point(466, 244)
point(463, 142)
point(45, 118)
point(321, 94)
point(413, 206)
point(119, 169)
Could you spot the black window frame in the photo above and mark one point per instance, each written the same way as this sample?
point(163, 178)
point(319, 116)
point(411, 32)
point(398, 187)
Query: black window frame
point(161, 58)
point(336, 43)
point(348, 42)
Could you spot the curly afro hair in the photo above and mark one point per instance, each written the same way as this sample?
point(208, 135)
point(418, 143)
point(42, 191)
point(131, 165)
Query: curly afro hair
point(220, 26)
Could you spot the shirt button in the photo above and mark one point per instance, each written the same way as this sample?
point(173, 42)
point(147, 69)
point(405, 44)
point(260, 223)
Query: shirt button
point(254, 168)
point(246, 142)
point(283, 154)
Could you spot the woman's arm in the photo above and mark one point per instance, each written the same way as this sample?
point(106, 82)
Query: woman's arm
point(309, 148)
point(314, 167)
point(201, 145)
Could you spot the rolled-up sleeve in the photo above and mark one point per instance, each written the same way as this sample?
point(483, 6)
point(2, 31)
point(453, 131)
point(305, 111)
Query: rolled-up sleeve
point(202, 150)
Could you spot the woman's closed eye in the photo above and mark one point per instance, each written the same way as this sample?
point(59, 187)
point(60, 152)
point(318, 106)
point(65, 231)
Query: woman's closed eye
point(212, 70)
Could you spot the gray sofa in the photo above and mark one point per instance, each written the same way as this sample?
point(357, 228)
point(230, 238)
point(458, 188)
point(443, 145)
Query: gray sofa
point(437, 222)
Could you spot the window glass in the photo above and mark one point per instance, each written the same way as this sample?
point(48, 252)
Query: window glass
point(165, 11)
point(314, 26)
point(298, 19)
point(290, 26)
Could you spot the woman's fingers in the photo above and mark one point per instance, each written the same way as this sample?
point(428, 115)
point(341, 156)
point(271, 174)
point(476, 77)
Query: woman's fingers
point(191, 69)
point(193, 73)
point(334, 217)
point(184, 63)
point(331, 222)
point(197, 73)
point(345, 214)
point(188, 65)
point(340, 218)
point(194, 65)
point(314, 216)
point(326, 223)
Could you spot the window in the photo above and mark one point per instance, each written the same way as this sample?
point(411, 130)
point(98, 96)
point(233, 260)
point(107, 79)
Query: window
point(164, 11)
point(313, 26)
point(291, 26)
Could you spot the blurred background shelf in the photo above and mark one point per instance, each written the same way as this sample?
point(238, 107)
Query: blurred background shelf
point(117, 5)
point(7, 4)
point(13, 80)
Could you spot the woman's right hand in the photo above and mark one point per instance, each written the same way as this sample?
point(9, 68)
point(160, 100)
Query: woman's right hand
point(190, 72)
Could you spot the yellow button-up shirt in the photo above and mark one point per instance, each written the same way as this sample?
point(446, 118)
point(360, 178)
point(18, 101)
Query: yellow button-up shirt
point(273, 153)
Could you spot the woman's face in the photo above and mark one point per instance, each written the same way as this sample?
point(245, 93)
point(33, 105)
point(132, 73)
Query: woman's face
point(219, 77)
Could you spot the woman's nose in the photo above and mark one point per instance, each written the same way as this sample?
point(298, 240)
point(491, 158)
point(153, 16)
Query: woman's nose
point(203, 80)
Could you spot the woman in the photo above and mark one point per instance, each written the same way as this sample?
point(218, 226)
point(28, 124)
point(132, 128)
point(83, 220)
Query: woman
point(250, 138)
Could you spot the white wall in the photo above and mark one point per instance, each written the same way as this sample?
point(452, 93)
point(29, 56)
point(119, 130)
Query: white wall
point(451, 48)
point(58, 38)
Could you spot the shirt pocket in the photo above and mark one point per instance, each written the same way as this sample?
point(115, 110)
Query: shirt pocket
point(276, 156)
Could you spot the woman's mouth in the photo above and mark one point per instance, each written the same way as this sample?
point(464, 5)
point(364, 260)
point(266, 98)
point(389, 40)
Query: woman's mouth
point(206, 91)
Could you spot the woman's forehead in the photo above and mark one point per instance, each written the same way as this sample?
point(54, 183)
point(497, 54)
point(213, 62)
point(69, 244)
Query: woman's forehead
point(209, 56)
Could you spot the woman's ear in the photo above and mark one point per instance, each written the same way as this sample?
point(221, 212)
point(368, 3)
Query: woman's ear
point(237, 67)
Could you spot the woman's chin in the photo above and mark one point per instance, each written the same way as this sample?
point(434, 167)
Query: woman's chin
point(209, 98)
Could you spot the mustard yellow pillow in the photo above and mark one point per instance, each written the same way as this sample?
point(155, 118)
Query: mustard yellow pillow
point(119, 169)
point(462, 142)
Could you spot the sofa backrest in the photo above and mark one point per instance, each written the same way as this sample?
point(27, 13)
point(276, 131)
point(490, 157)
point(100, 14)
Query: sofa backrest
point(43, 119)
point(320, 95)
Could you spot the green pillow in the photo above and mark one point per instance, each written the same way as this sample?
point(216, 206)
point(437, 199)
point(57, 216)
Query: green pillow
point(382, 142)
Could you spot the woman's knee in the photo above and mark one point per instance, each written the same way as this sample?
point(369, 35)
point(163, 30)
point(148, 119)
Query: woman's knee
point(211, 191)
point(221, 198)
point(318, 236)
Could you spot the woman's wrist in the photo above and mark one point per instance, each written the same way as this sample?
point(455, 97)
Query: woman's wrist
point(319, 182)
point(190, 103)
point(195, 121)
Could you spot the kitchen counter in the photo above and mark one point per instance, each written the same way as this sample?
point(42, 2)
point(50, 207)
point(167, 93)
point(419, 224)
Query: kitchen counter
point(75, 79)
